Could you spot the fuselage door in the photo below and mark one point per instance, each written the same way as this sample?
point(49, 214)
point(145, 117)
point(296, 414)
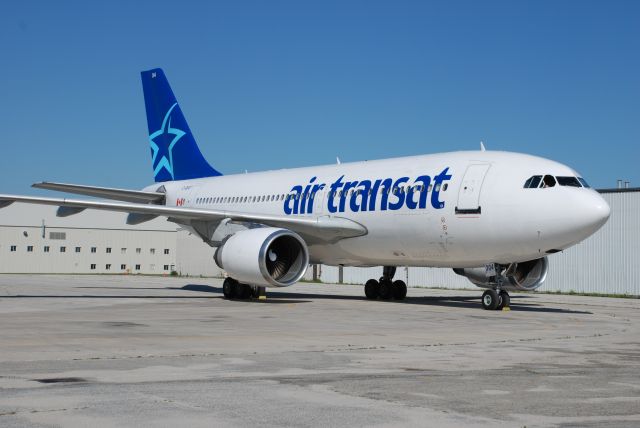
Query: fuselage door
point(469, 193)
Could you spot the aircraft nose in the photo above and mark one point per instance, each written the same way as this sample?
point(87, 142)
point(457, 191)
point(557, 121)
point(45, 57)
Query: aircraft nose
point(595, 212)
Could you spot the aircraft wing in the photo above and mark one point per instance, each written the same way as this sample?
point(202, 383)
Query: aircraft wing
point(104, 192)
point(323, 228)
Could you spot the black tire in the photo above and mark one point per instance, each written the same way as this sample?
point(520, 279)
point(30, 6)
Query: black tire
point(385, 289)
point(255, 292)
point(490, 300)
point(505, 300)
point(372, 289)
point(399, 290)
point(229, 288)
point(243, 291)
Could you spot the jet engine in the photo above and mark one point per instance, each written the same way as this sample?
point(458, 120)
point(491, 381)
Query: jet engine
point(525, 276)
point(266, 256)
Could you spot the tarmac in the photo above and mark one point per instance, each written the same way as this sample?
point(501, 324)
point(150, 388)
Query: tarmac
point(102, 351)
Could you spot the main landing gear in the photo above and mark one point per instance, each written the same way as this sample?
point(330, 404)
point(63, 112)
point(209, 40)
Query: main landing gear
point(386, 288)
point(232, 289)
point(492, 299)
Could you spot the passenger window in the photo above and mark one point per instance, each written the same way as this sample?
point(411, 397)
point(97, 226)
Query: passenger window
point(548, 181)
point(568, 181)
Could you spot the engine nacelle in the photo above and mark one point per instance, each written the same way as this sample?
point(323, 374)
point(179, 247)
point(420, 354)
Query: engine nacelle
point(526, 276)
point(265, 256)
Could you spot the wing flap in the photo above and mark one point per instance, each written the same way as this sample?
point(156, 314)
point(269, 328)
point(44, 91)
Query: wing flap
point(134, 219)
point(68, 211)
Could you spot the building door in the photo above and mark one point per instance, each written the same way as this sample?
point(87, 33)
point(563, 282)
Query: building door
point(469, 193)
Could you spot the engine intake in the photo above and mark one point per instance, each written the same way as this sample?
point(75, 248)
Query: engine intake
point(526, 276)
point(265, 256)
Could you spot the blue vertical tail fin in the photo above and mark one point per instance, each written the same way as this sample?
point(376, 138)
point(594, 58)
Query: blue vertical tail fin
point(174, 152)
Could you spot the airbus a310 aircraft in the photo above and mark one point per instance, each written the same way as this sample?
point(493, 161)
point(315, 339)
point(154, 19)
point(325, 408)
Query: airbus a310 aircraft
point(491, 216)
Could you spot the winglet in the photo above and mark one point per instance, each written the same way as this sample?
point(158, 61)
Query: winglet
point(482, 149)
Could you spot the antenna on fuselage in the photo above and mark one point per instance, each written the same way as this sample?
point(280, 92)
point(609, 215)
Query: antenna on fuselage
point(482, 149)
point(338, 160)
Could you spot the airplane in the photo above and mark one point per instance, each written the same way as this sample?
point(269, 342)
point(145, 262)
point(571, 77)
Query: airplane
point(493, 217)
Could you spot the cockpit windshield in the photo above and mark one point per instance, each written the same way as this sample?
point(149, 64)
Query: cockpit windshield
point(548, 181)
point(584, 182)
point(533, 182)
point(544, 181)
point(568, 181)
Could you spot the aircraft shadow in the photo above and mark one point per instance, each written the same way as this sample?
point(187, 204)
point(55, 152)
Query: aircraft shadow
point(95, 296)
point(518, 301)
point(110, 296)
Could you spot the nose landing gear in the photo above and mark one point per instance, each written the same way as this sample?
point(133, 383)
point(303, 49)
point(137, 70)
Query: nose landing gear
point(386, 288)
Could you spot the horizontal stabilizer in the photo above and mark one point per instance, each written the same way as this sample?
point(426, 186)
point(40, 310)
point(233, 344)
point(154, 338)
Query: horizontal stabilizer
point(125, 195)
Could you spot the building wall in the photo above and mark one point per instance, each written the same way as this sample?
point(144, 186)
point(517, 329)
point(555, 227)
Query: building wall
point(604, 263)
point(194, 257)
point(607, 262)
point(25, 234)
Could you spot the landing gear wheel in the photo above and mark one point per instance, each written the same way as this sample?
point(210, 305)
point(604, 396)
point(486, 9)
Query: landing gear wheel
point(372, 289)
point(399, 290)
point(229, 288)
point(255, 292)
point(243, 291)
point(385, 288)
point(505, 300)
point(490, 300)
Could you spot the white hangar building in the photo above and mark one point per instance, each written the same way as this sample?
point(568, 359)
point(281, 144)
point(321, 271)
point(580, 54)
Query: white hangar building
point(34, 240)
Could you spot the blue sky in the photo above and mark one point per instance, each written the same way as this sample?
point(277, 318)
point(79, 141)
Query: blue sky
point(278, 84)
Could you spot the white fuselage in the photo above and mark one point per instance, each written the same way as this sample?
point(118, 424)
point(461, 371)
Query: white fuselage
point(468, 209)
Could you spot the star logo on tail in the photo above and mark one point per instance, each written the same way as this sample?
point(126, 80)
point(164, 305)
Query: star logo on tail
point(162, 143)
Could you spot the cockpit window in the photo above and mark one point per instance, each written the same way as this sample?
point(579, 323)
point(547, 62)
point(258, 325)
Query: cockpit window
point(533, 182)
point(568, 181)
point(584, 182)
point(548, 181)
point(541, 182)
